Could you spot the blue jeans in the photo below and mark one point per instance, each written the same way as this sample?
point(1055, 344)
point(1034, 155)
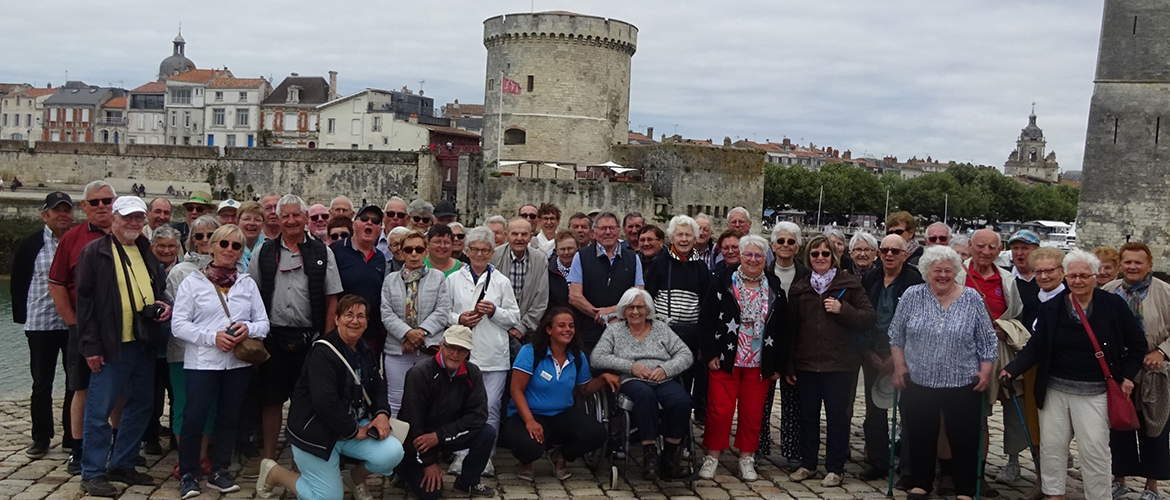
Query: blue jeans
point(131, 375)
point(205, 389)
point(321, 479)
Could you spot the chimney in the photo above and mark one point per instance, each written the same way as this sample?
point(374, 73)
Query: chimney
point(848, 155)
point(650, 132)
point(726, 142)
point(413, 118)
point(332, 85)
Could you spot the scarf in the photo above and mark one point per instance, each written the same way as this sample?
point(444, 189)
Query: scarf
point(912, 246)
point(223, 277)
point(1134, 295)
point(821, 282)
point(411, 279)
point(561, 268)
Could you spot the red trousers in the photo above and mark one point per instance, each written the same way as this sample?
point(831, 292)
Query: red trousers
point(743, 388)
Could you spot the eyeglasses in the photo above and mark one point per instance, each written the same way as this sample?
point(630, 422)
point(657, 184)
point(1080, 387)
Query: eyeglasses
point(373, 219)
point(396, 215)
point(421, 220)
point(319, 217)
point(234, 244)
point(550, 218)
point(817, 255)
point(891, 251)
point(100, 201)
point(635, 308)
point(478, 250)
point(338, 236)
point(895, 231)
point(192, 208)
point(786, 241)
point(459, 236)
point(863, 250)
point(1080, 277)
point(418, 250)
point(529, 216)
point(200, 236)
point(606, 228)
point(751, 256)
point(938, 239)
point(350, 315)
point(1046, 272)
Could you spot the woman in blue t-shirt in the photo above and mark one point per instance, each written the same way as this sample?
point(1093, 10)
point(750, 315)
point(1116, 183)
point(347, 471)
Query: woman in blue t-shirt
point(541, 414)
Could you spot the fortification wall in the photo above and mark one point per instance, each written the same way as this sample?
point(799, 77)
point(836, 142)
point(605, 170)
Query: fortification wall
point(689, 179)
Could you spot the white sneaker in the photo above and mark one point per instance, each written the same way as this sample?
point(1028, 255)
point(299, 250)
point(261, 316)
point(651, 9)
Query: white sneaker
point(489, 470)
point(707, 471)
point(831, 480)
point(747, 468)
point(1009, 473)
point(456, 467)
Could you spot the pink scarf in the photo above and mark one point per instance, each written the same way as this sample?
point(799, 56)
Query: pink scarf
point(821, 282)
point(223, 277)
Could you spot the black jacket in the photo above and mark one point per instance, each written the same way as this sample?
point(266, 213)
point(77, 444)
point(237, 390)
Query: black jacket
point(23, 262)
point(1121, 338)
point(320, 411)
point(720, 309)
point(434, 401)
point(558, 285)
point(99, 302)
point(873, 283)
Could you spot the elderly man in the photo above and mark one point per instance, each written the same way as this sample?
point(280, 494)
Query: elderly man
point(905, 225)
point(118, 315)
point(600, 274)
point(341, 207)
point(499, 227)
point(158, 214)
point(884, 286)
point(445, 212)
point(582, 227)
point(272, 228)
point(526, 267)
point(319, 222)
point(197, 205)
point(445, 403)
point(631, 227)
point(227, 211)
point(422, 215)
point(529, 213)
point(704, 247)
point(32, 306)
point(550, 220)
point(938, 234)
point(299, 284)
point(99, 198)
point(1021, 245)
point(739, 218)
point(393, 216)
point(362, 267)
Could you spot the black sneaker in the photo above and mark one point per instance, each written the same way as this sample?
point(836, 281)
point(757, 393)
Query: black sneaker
point(74, 465)
point(36, 450)
point(650, 463)
point(130, 476)
point(152, 447)
point(477, 490)
point(222, 482)
point(99, 487)
point(189, 487)
point(871, 472)
point(140, 461)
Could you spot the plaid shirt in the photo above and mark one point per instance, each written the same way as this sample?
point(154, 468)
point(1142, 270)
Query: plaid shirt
point(42, 314)
point(519, 272)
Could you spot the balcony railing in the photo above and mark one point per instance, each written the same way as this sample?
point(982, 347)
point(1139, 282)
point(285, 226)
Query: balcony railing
point(117, 122)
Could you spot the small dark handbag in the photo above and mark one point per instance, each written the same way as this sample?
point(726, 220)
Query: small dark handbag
point(249, 350)
point(145, 329)
point(1122, 414)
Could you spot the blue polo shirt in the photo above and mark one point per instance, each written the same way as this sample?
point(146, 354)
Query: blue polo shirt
point(362, 275)
point(549, 391)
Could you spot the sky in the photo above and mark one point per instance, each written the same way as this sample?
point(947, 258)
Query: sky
point(954, 80)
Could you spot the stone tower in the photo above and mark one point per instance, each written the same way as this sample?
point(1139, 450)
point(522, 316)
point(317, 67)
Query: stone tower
point(1028, 159)
point(1125, 186)
point(574, 76)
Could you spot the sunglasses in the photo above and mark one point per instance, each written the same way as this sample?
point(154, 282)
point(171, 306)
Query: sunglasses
point(816, 255)
point(891, 251)
point(338, 236)
point(528, 216)
point(396, 215)
point(234, 244)
point(895, 231)
point(200, 236)
point(194, 208)
point(459, 236)
point(319, 217)
point(938, 239)
point(421, 220)
point(786, 241)
point(418, 250)
point(100, 201)
point(370, 218)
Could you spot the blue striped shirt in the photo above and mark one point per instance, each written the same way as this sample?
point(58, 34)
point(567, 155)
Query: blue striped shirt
point(943, 347)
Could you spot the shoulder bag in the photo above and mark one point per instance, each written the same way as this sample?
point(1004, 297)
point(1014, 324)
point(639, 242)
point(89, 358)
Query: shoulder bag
point(398, 428)
point(1122, 415)
point(249, 350)
point(142, 329)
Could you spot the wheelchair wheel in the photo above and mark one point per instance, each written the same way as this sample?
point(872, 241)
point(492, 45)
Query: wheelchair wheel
point(595, 406)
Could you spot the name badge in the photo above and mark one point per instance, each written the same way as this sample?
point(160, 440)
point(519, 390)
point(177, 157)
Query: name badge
point(545, 375)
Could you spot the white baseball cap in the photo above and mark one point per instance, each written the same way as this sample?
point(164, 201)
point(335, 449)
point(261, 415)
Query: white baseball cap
point(126, 205)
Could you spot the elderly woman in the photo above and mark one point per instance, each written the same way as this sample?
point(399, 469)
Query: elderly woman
point(164, 244)
point(786, 242)
point(338, 401)
point(422, 215)
point(745, 308)
point(499, 226)
point(394, 245)
point(547, 372)
point(1047, 267)
point(1070, 385)
point(459, 242)
point(215, 309)
point(1145, 452)
point(839, 247)
point(482, 300)
point(962, 246)
point(340, 228)
point(250, 218)
point(863, 249)
point(943, 348)
point(727, 250)
point(1110, 263)
point(558, 268)
point(648, 356)
point(415, 305)
point(831, 308)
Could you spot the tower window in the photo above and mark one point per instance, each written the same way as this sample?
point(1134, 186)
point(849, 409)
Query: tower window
point(1115, 120)
point(1157, 129)
point(531, 82)
point(1135, 24)
point(515, 136)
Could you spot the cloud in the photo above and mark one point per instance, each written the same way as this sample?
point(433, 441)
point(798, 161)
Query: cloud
point(954, 80)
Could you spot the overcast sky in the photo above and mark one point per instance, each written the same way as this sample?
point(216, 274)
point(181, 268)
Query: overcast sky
point(951, 79)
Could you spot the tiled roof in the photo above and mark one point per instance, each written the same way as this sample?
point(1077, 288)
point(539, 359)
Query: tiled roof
point(197, 76)
point(152, 88)
point(638, 136)
point(237, 83)
point(117, 102)
point(450, 130)
point(39, 92)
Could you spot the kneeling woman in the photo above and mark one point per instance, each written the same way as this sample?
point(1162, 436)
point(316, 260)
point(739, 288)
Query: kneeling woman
point(541, 413)
point(333, 414)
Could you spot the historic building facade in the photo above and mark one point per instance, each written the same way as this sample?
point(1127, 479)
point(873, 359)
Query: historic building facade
point(1029, 159)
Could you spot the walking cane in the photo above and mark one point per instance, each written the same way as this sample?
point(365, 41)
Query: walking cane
point(893, 433)
point(979, 451)
point(1024, 423)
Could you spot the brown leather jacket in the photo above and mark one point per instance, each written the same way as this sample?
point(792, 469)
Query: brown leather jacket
point(827, 342)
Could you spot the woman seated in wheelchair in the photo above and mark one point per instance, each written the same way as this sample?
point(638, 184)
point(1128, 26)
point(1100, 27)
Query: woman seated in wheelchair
point(541, 414)
point(648, 357)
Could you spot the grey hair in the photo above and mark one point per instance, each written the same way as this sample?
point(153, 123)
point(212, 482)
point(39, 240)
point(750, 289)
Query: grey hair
point(209, 221)
point(342, 198)
point(399, 230)
point(1079, 255)
point(679, 220)
point(496, 219)
point(942, 225)
point(164, 232)
point(629, 296)
point(703, 216)
point(939, 253)
point(454, 225)
point(752, 239)
point(291, 199)
point(786, 227)
point(481, 234)
point(863, 236)
point(739, 210)
point(392, 200)
point(96, 185)
point(960, 241)
point(420, 207)
point(835, 233)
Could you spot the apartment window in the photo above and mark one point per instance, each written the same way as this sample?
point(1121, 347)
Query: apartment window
point(84, 116)
point(16, 120)
point(28, 119)
point(353, 146)
point(331, 125)
point(377, 124)
point(174, 119)
point(294, 95)
point(385, 141)
point(243, 97)
point(218, 96)
point(154, 124)
point(174, 140)
point(355, 127)
point(491, 84)
point(531, 82)
point(231, 140)
point(198, 92)
point(217, 117)
point(141, 122)
point(242, 117)
point(180, 96)
point(186, 119)
point(68, 114)
point(5, 120)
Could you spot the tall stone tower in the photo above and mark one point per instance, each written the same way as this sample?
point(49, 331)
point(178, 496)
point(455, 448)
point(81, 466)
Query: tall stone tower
point(1125, 186)
point(574, 77)
point(1028, 159)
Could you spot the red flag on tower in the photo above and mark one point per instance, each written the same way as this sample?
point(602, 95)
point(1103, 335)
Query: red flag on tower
point(509, 86)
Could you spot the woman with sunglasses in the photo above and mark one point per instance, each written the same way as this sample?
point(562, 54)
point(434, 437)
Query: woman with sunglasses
point(785, 244)
point(340, 228)
point(216, 308)
point(831, 308)
point(458, 242)
point(422, 215)
point(415, 307)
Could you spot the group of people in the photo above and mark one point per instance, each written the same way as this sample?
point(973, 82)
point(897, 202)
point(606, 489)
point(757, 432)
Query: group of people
point(400, 337)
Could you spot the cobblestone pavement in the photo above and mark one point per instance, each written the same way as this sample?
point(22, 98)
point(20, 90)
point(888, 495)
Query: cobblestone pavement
point(46, 479)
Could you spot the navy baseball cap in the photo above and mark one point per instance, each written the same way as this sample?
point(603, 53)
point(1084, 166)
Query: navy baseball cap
point(57, 198)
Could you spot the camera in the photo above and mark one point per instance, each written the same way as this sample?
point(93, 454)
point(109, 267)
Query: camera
point(151, 311)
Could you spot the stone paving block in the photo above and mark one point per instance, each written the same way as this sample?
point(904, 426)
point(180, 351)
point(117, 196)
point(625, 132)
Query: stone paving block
point(165, 494)
point(713, 493)
point(585, 492)
point(65, 494)
point(31, 495)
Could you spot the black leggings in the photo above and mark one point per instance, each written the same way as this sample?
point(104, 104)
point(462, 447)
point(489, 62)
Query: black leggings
point(960, 406)
point(572, 429)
